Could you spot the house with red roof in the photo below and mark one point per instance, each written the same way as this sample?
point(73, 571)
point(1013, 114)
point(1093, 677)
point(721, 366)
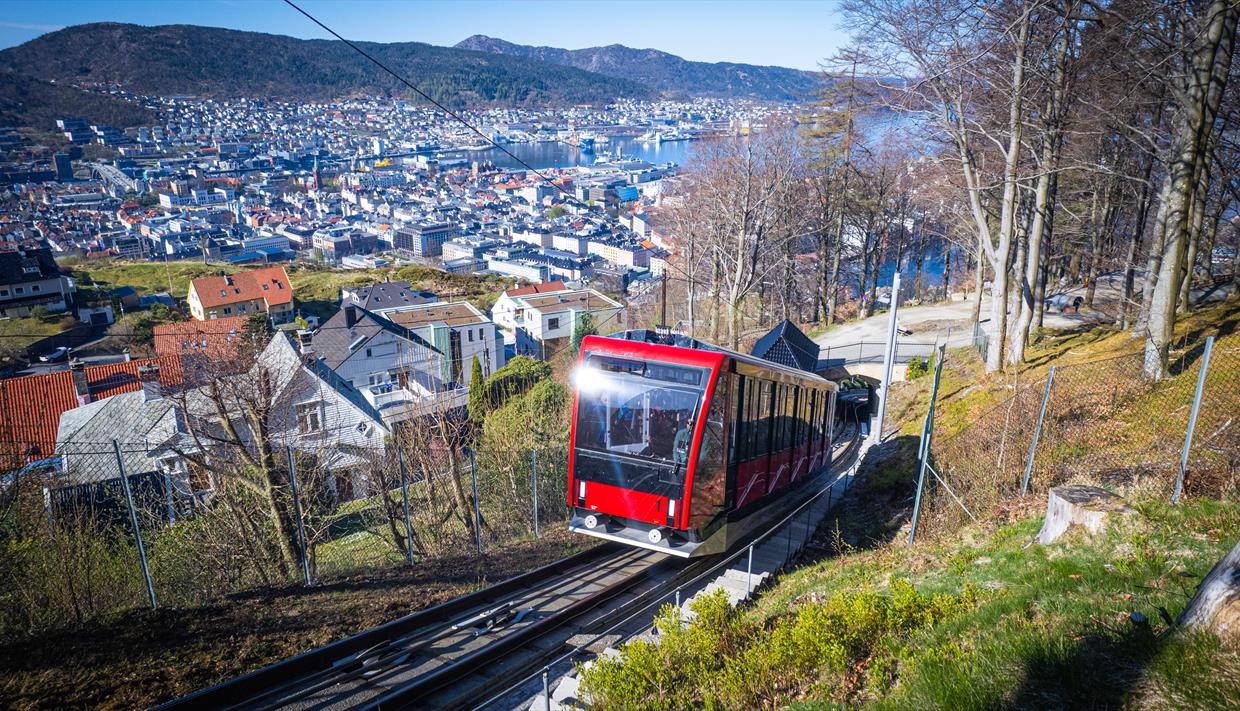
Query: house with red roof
point(267, 291)
point(31, 406)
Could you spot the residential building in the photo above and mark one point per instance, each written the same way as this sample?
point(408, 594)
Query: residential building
point(267, 291)
point(460, 332)
point(30, 406)
point(538, 321)
point(214, 340)
point(386, 296)
point(31, 278)
point(424, 239)
point(399, 373)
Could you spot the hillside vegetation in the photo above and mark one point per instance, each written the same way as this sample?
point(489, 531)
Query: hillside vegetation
point(316, 289)
point(27, 102)
point(974, 615)
point(667, 72)
point(208, 61)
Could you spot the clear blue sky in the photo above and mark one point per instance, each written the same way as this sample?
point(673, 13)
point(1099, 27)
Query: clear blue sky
point(790, 33)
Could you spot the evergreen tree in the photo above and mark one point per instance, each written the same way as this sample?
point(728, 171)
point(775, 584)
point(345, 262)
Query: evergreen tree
point(585, 327)
point(477, 393)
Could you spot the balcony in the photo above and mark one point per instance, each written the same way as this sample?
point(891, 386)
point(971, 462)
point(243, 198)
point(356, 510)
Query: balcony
point(397, 404)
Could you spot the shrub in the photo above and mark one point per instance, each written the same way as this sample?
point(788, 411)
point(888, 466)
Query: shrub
point(519, 375)
point(919, 367)
point(724, 660)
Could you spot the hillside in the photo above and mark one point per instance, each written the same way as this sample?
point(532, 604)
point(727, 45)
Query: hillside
point(975, 615)
point(29, 102)
point(207, 61)
point(665, 72)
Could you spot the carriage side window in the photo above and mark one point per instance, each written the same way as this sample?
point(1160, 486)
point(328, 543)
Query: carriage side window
point(764, 420)
point(794, 429)
point(738, 422)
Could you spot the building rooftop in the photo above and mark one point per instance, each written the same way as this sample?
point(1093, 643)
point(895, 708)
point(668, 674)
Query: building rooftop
point(270, 284)
point(456, 313)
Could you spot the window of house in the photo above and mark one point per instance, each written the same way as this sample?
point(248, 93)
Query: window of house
point(368, 353)
point(223, 292)
point(241, 309)
point(553, 324)
point(266, 287)
point(310, 417)
point(4, 292)
point(34, 287)
point(19, 290)
point(227, 310)
point(471, 336)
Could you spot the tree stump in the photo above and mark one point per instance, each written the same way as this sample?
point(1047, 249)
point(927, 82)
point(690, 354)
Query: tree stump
point(1216, 603)
point(1075, 505)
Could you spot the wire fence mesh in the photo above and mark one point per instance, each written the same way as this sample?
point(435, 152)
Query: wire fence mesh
point(1102, 425)
point(71, 549)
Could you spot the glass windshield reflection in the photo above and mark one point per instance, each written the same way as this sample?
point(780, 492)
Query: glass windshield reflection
point(638, 410)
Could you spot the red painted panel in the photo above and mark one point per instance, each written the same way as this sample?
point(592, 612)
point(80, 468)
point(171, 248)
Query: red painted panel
point(626, 503)
point(751, 481)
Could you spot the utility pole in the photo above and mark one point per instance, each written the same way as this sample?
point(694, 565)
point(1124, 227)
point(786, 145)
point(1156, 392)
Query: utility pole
point(663, 301)
point(888, 357)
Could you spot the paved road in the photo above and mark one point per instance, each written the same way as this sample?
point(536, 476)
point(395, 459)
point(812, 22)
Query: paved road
point(37, 368)
point(951, 322)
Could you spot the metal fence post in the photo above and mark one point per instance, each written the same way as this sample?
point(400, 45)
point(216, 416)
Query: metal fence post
point(404, 494)
point(749, 572)
point(301, 527)
point(133, 519)
point(546, 689)
point(473, 474)
point(1192, 420)
point(1037, 431)
point(534, 478)
point(926, 437)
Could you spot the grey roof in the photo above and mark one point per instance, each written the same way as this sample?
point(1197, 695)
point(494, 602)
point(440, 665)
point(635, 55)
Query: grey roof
point(387, 295)
point(13, 266)
point(332, 340)
point(787, 345)
point(144, 428)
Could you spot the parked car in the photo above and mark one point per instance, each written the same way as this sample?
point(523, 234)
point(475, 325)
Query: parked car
point(1063, 302)
point(54, 355)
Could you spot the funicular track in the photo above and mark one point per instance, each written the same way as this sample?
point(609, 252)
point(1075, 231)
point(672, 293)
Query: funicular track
point(463, 651)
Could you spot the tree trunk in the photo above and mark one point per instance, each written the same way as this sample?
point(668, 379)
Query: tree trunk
point(1211, 65)
point(1215, 605)
point(1007, 219)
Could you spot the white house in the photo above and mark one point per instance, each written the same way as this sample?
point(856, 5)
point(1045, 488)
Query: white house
point(539, 320)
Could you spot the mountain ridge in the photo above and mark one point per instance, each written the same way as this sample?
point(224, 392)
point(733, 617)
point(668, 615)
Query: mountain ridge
point(663, 71)
point(221, 63)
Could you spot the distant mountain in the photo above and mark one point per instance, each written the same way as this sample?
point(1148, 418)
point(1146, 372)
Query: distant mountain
point(666, 72)
point(207, 61)
point(34, 103)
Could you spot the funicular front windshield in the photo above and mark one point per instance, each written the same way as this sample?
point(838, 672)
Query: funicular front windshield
point(638, 408)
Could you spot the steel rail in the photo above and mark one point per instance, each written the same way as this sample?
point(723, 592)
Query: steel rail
point(389, 646)
point(242, 689)
point(846, 455)
point(458, 684)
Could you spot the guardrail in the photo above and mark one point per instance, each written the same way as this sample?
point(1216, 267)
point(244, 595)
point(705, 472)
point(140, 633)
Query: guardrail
point(873, 351)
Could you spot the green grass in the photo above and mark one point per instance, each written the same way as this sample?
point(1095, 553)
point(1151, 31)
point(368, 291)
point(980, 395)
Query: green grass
point(984, 622)
point(317, 289)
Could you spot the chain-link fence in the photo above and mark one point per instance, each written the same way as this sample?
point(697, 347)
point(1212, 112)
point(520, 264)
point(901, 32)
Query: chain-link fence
point(79, 544)
point(1098, 423)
